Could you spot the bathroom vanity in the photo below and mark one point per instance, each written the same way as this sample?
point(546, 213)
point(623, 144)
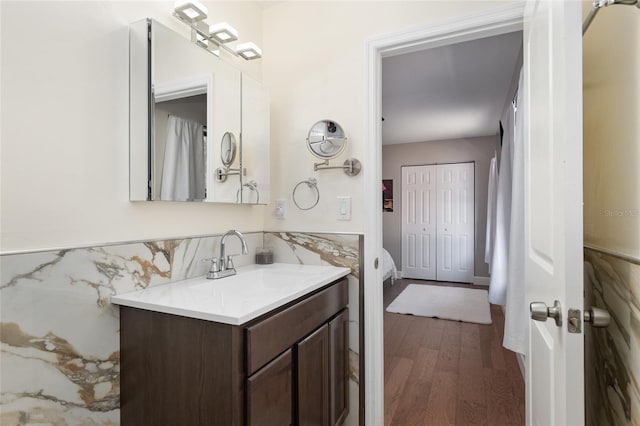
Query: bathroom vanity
point(268, 346)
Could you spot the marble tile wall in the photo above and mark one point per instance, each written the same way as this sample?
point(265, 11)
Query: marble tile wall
point(337, 250)
point(612, 354)
point(59, 334)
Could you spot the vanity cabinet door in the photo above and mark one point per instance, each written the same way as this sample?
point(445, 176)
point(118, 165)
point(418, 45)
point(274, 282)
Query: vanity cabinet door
point(269, 393)
point(313, 379)
point(339, 368)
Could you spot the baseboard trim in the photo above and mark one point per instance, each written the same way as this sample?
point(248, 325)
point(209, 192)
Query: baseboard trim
point(481, 281)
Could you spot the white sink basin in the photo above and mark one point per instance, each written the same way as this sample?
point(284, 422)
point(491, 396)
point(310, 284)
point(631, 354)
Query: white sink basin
point(253, 291)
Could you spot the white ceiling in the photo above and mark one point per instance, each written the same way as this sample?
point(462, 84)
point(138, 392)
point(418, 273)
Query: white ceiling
point(448, 92)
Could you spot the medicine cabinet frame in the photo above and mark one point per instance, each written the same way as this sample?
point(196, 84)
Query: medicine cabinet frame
point(224, 113)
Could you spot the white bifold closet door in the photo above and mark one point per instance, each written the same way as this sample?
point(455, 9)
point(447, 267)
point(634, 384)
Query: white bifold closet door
point(419, 222)
point(455, 218)
point(438, 222)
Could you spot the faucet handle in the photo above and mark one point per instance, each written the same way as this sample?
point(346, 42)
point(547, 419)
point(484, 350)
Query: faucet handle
point(215, 262)
point(215, 265)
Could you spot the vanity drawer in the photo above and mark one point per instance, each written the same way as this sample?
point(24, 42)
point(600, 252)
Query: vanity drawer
point(271, 336)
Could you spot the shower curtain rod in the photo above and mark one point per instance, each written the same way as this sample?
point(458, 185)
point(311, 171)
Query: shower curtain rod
point(204, 127)
point(598, 4)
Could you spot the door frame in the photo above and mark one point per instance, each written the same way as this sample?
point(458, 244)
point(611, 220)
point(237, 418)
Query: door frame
point(493, 21)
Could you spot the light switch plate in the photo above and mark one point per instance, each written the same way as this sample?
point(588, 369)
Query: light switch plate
point(344, 208)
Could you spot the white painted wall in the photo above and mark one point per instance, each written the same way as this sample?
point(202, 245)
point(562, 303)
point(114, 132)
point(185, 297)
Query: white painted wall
point(611, 107)
point(64, 177)
point(611, 62)
point(314, 67)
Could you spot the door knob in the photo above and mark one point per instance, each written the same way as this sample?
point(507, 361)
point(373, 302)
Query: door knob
point(597, 317)
point(540, 312)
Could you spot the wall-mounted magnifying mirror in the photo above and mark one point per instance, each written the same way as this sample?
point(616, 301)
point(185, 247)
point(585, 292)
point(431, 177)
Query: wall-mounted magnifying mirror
point(326, 139)
point(227, 157)
point(228, 149)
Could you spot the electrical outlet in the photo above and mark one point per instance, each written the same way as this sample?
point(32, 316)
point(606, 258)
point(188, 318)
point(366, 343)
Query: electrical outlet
point(281, 207)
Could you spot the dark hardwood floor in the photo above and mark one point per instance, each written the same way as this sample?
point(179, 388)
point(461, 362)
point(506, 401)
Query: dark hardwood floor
point(440, 372)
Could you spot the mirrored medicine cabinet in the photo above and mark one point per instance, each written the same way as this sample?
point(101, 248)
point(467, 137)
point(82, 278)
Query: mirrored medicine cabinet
point(199, 128)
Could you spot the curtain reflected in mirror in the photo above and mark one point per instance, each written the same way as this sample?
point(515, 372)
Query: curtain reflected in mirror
point(180, 149)
point(183, 170)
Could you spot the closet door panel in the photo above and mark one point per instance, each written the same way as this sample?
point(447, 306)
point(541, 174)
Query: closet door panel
point(455, 218)
point(419, 222)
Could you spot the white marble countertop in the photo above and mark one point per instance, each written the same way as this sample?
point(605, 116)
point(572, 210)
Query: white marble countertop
point(253, 291)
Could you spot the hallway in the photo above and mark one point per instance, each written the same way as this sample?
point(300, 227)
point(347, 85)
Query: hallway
point(440, 372)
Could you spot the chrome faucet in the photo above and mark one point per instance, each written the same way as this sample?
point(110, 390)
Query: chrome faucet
point(223, 267)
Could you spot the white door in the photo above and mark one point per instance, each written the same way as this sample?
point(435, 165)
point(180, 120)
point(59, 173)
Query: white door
point(419, 222)
point(553, 208)
point(455, 217)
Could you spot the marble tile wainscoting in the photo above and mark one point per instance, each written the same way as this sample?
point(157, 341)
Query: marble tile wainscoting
point(59, 335)
point(345, 250)
point(612, 354)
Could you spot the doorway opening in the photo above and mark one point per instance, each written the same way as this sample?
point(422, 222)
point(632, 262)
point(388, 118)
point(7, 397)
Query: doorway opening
point(453, 372)
point(507, 20)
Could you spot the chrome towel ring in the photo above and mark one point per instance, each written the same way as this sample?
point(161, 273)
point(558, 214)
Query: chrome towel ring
point(253, 186)
point(311, 183)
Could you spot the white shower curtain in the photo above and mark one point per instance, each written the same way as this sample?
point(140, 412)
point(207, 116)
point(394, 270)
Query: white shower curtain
point(516, 312)
point(491, 211)
point(498, 280)
point(183, 171)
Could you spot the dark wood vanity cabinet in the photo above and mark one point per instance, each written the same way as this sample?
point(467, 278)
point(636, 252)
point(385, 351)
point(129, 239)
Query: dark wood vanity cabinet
point(270, 393)
point(313, 378)
point(287, 367)
point(322, 363)
point(339, 368)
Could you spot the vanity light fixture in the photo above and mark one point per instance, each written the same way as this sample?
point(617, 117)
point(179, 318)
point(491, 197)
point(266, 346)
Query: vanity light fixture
point(223, 32)
point(212, 38)
point(249, 51)
point(201, 41)
point(190, 10)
